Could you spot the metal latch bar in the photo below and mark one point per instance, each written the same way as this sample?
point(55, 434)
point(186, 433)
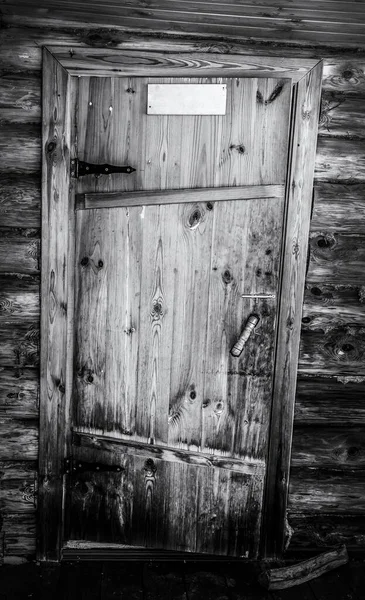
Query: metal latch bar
point(71, 465)
point(273, 296)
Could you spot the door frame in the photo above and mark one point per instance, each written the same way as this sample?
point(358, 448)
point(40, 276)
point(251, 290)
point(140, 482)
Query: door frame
point(61, 67)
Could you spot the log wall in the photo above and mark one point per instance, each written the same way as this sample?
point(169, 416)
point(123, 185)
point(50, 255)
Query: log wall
point(327, 495)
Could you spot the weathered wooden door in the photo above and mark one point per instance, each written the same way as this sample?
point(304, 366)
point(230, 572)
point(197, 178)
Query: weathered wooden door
point(170, 430)
point(154, 432)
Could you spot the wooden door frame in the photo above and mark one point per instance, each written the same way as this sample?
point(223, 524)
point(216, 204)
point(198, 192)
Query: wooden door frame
point(60, 67)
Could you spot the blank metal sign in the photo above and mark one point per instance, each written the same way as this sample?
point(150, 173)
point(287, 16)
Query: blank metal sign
point(187, 99)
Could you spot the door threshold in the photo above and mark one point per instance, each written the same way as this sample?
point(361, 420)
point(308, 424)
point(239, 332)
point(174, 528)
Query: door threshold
point(76, 550)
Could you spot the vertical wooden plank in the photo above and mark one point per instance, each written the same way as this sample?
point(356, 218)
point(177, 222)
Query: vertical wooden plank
point(54, 320)
point(306, 102)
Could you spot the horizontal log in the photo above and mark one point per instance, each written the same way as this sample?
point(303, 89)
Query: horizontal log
point(328, 446)
point(20, 97)
point(337, 352)
point(19, 250)
point(291, 575)
point(340, 159)
point(329, 401)
point(344, 74)
point(20, 200)
point(339, 208)
point(341, 115)
point(20, 147)
point(336, 258)
point(19, 530)
point(332, 306)
point(295, 30)
point(330, 491)
point(19, 439)
point(318, 531)
point(18, 484)
point(19, 393)
point(19, 344)
point(19, 297)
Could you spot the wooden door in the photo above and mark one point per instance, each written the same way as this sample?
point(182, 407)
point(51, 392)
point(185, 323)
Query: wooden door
point(170, 430)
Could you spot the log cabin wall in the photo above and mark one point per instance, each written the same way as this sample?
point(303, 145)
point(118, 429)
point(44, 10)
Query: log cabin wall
point(327, 499)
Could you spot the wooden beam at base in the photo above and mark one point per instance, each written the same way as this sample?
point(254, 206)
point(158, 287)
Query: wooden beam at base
point(286, 577)
point(116, 199)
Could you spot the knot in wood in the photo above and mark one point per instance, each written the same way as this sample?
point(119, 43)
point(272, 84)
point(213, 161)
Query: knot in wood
point(195, 218)
point(149, 468)
point(157, 310)
point(51, 147)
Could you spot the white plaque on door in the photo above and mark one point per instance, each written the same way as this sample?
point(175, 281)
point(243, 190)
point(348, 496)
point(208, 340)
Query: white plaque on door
point(186, 99)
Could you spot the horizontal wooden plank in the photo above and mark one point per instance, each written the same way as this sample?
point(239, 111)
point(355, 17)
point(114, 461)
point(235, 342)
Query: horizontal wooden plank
point(106, 62)
point(295, 30)
point(342, 114)
point(114, 199)
point(19, 439)
point(18, 481)
point(337, 352)
point(19, 344)
point(328, 446)
point(19, 297)
point(20, 147)
point(20, 200)
point(320, 531)
point(20, 97)
point(339, 208)
point(115, 447)
point(19, 250)
point(331, 491)
point(340, 159)
point(328, 306)
point(336, 258)
point(329, 401)
point(19, 531)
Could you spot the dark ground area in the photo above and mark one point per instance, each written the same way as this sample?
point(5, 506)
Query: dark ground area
point(168, 581)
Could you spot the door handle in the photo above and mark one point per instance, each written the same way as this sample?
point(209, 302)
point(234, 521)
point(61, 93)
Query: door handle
point(246, 332)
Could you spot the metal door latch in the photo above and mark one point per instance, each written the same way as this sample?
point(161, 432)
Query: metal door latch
point(79, 168)
point(267, 296)
point(247, 330)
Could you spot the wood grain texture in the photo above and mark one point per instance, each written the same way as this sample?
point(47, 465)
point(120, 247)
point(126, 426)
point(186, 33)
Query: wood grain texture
point(19, 250)
point(323, 531)
point(54, 320)
point(20, 146)
point(20, 438)
point(140, 506)
point(328, 307)
point(19, 531)
point(20, 199)
point(19, 297)
point(342, 115)
point(336, 258)
point(179, 152)
point(20, 97)
point(339, 207)
point(344, 74)
point(330, 400)
point(330, 491)
point(20, 343)
point(303, 138)
point(339, 351)
point(192, 18)
point(101, 63)
point(335, 160)
point(18, 486)
point(19, 392)
point(116, 199)
point(328, 446)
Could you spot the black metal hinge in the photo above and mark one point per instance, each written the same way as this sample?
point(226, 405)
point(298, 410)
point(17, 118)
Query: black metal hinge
point(79, 168)
point(71, 465)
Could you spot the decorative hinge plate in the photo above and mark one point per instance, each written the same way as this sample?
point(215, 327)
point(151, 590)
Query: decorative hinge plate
point(79, 168)
point(71, 465)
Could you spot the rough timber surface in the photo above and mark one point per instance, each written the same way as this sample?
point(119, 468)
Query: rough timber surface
point(333, 399)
